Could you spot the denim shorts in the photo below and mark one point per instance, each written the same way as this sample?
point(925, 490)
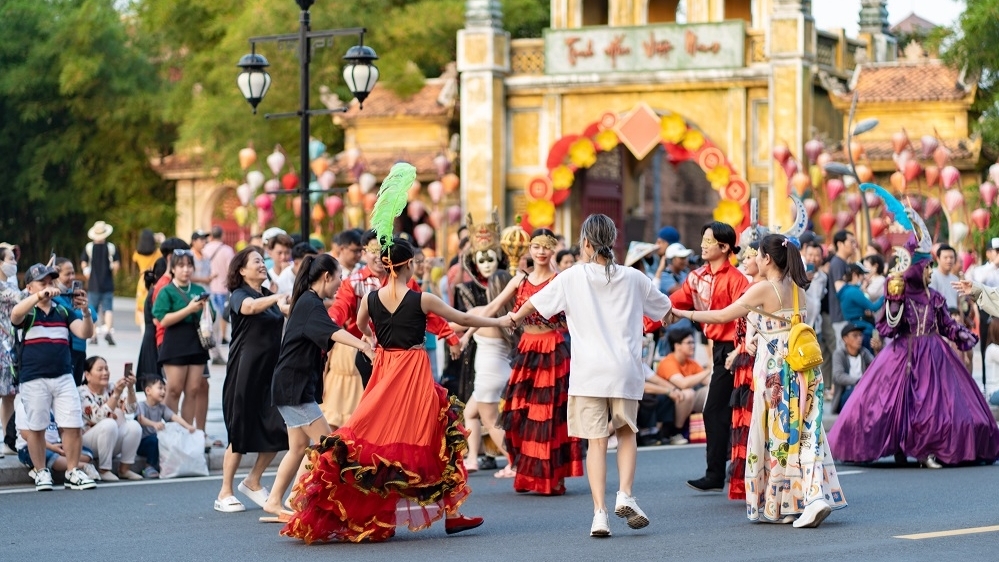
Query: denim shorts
point(300, 415)
point(50, 457)
point(101, 302)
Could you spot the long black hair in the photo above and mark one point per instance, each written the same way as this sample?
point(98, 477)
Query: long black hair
point(147, 242)
point(313, 267)
point(786, 257)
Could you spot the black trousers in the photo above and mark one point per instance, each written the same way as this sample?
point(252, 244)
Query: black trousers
point(718, 413)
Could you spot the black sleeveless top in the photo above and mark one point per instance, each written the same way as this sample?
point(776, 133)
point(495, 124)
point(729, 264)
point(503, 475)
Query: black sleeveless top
point(403, 329)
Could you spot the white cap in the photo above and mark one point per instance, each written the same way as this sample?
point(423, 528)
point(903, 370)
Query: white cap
point(677, 250)
point(995, 243)
point(271, 233)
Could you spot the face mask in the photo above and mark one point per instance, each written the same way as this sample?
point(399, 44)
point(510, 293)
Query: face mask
point(9, 269)
point(487, 263)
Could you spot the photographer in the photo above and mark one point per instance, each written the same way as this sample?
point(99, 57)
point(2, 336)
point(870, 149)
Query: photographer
point(68, 285)
point(46, 373)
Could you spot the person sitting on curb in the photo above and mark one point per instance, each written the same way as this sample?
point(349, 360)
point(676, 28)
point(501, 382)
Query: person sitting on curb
point(55, 455)
point(849, 363)
point(688, 378)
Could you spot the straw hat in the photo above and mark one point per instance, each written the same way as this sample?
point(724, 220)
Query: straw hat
point(100, 231)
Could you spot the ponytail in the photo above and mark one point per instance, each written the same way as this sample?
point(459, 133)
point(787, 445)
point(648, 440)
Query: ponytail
point(786, 258)
point(311, 269)
point(600, 231)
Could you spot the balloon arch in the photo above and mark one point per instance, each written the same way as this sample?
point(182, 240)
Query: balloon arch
point(641, 130)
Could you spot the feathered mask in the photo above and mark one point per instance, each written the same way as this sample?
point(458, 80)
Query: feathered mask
point(920, 243)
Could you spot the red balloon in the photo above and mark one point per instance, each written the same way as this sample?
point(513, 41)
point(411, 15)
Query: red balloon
point(878, 226)
point(844, 218)
point(981, 218)
point(289, 181)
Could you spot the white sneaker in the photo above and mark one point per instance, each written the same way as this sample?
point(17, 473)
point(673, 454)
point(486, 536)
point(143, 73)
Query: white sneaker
point(678, 439)
point(43, 480)
point(814, 514)
point(90, 471)
point(76, 479)
point(627, 506)
point(109, 476)
point(599, 528)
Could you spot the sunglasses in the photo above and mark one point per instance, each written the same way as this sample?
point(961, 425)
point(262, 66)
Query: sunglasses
point(182, 252)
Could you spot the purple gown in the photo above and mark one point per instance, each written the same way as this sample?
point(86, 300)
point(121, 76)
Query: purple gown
point(917, 397)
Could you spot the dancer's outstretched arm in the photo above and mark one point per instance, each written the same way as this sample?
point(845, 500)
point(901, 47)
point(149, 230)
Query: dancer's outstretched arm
point(431, 303)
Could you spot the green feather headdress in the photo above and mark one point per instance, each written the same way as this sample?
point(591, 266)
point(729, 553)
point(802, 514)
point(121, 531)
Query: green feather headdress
point(392, 199)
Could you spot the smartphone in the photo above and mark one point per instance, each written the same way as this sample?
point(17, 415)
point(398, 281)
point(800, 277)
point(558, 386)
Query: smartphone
point(76, 286)
point(203, 297)
point(128, 370)
point(810, 267)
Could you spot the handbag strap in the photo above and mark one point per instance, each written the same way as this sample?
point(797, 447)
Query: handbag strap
point(796, 317)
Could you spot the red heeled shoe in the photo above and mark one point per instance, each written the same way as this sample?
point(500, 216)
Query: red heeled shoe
point(461, 523)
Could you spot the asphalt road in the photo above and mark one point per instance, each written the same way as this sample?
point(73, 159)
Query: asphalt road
point(174, 521)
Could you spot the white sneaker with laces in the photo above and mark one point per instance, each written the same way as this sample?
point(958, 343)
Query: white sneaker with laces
point(678, 439)
point(43, 480)
point(76, 479)
point(627, 506)
point(90, 471)
point(600, 528)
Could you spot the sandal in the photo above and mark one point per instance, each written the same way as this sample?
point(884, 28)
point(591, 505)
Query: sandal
point(282, 517)
point(505, 472)
point(229, 505)
point(471, 465)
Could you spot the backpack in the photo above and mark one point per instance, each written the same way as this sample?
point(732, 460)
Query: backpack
point(803, 351)
point(90, 253)
point(19, 334)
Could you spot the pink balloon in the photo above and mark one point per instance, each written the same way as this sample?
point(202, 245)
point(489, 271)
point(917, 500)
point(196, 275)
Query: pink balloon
point(441, 164)
point(272, 185)
point(988, 190)
point(949, 176)
point(932, 206)
point(953, 199)
point(811, 205)
point(834, 188)
point(813, 148)
point(436, 191)
point(263, 202)
point(454, 214)
point(873, 201)
point(264, 217)
point(844, 218)
point(333, 204)
point(791, 167)
point(416, 210)
point(981, 218)
point(423, 233)
point(854, 202)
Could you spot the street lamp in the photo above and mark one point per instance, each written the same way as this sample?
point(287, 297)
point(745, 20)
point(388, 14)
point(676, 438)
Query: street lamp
point(840, 169)
point(360, 75)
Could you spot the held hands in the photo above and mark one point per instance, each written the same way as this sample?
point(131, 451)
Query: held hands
point(507, 321)
point(455, 350)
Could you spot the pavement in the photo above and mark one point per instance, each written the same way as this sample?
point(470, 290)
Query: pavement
point(947, 514)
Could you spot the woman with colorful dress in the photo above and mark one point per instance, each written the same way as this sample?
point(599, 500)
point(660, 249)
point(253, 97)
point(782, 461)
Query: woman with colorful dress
point(377, 472)
point(790, 475)
point(917, 399)
point(535, 414)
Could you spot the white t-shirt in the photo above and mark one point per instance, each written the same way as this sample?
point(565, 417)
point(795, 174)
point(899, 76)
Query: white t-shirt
point(605, 321)
point(991, 370)
point(940, 282)
point(281, 283)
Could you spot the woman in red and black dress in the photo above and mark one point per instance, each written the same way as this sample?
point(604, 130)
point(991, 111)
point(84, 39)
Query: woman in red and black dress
point(398, 459)
point(742, 361)
point(534, 412)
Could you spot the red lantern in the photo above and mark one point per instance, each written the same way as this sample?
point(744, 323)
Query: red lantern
point(289, 181)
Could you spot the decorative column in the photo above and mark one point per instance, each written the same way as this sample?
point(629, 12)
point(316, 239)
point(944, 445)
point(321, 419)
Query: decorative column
point(483, 61)
point(791, 43)
point(875, 30)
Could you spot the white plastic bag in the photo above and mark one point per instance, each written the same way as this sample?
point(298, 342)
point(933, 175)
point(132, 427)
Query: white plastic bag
point(182, 453)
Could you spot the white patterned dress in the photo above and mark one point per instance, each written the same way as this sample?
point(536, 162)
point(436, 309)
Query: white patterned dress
point(788, 463)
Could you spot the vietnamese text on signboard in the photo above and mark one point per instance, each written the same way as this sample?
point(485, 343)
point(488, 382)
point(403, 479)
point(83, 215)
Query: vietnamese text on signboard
point(645, 48)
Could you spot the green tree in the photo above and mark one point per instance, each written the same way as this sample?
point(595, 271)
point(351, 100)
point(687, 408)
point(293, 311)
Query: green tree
point(77, 122)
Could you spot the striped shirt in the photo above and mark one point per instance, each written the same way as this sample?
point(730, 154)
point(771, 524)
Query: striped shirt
point(46, 344)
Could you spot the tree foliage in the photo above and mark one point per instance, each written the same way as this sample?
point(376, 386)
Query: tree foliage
point(77, 118)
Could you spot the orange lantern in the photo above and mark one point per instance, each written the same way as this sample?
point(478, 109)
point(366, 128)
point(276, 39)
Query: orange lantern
point(451, 183)
point(319, 165)
point(898, 182)
point(354, 194)
point(318, 213)
point(864, 173)
point(369, 201)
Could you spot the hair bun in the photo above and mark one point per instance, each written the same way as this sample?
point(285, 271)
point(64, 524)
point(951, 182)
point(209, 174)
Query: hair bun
point(736, 249)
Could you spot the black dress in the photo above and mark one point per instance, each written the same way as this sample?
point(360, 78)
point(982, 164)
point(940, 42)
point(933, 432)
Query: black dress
point(252, 423)
point(148, 364)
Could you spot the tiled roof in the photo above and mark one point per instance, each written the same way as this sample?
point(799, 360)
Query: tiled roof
point(908, 81)
point(428, 102)
point(912, 23)
point(882, 151)
point(379, 164)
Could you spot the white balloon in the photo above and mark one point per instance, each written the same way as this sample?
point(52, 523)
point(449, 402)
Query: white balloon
point(272, 185)
point(245, 193)
point(275, 161)
point(255, 179)
point(958, 232)
point(367, 182)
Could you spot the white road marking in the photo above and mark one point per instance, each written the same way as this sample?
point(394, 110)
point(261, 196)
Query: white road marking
point(134, 483)
point(849, 472)
point(954, 533)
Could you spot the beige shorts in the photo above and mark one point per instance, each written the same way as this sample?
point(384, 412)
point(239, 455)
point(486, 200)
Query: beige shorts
point(588, 416)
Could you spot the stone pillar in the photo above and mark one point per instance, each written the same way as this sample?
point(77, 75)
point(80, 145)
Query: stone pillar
point(791, 43)
point(875, 30)
point(483, 61)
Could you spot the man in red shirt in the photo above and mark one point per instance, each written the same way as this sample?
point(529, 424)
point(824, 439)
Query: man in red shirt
point(369, 278)
point(714, 286)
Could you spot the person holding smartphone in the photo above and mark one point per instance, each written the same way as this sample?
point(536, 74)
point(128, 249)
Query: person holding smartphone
point(178, 307)
point(69, 287)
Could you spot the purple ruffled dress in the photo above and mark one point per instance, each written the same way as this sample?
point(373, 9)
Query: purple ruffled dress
point(917, 397)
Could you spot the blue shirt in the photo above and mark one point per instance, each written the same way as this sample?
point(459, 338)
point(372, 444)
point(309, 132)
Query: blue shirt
point(75, 343)
point(46, 344)
point(853, 302)
point(670, 280)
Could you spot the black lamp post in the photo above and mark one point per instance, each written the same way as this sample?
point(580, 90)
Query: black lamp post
point(360, 75)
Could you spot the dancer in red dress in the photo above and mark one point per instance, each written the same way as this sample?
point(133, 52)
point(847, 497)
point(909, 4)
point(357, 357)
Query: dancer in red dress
point(398, 459)
point(535, 410)
point(743, 360)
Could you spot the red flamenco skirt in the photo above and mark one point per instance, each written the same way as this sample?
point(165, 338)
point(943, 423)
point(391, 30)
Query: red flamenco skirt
point(397, 461)
point(535, 416)
point(742, 414)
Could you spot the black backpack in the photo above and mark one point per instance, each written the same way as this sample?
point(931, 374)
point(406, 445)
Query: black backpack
point(18, 350)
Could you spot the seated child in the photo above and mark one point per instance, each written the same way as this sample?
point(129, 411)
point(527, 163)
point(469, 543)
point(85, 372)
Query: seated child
point(151, 415)
point(55, 458)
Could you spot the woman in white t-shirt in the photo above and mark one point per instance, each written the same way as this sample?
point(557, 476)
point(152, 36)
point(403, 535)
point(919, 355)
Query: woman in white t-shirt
point(604, 307)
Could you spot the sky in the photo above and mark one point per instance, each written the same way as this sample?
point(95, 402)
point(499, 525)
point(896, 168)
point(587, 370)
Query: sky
point(831, 14)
